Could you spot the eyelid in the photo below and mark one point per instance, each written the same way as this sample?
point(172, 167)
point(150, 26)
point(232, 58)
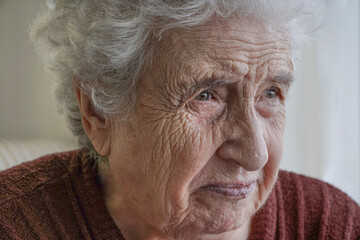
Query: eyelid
point(282, 85)
point(276, 88)
point(210, 85)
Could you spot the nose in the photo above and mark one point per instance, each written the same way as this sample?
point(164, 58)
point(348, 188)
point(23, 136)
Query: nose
point(245, 143)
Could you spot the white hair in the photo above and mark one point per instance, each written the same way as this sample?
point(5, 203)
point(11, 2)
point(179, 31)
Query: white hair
point(103, 45)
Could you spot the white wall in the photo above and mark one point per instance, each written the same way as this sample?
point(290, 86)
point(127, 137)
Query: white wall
point(27, 109)
point(323, 132)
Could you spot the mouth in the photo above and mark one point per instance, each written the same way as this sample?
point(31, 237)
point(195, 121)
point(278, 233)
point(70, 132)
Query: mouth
point(237, 190)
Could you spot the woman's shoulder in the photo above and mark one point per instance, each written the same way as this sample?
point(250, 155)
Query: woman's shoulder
point(316, 207)
point(34, 194)
point(29, 176)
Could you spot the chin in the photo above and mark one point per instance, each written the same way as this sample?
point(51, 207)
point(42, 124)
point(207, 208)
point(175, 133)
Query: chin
point(205, 226)
point(215, 213)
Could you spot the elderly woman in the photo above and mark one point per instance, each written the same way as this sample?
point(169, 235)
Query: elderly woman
point(180, 109)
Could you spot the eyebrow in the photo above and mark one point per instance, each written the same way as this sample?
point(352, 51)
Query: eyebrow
point(282, 78)
point(210, 82)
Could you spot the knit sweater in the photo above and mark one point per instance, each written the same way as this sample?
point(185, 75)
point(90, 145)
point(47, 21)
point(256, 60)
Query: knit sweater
point(59, 197)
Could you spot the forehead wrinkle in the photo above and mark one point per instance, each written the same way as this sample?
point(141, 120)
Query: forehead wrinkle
point(267, 71)
point(167, 62)
point(250, 56)
point(190, 51)
point(249, 28)
point(237, 43)
point(242, 39)
point(205, 38)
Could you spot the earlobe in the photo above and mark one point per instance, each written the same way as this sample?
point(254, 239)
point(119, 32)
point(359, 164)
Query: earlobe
point(95, 127)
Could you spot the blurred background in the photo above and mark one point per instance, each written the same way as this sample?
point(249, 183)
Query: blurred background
point(322, 137)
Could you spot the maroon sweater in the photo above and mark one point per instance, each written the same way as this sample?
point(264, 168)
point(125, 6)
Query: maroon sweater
point(59, 197)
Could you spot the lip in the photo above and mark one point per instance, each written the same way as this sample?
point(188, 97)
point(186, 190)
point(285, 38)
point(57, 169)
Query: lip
point(238, 190)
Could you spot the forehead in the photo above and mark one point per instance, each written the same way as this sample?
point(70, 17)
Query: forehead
point(235, 47)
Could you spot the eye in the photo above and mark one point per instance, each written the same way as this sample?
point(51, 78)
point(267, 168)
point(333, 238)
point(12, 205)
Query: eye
point(272, 92)
point(205, 95)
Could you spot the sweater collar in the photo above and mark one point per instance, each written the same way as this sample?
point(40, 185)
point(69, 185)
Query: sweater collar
point(87, 186)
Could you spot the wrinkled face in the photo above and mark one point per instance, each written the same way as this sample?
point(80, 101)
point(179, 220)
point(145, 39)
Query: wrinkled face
point(202, 152)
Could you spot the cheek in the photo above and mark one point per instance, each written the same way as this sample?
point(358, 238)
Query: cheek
point(274, 130)
point(153, 165)
point(273, 122)
point(274, 145)
point(273, 133)
point(169, 152)
point(188, 150)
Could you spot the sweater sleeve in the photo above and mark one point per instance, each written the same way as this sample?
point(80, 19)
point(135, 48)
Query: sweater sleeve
point(15, 222)
point(34, 201)
point(54, 197)
point(312, 209)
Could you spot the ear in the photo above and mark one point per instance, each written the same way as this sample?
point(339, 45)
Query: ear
point(96, 128)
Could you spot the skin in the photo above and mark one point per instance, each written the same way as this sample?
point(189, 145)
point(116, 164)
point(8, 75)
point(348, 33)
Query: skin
point(210, 114)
